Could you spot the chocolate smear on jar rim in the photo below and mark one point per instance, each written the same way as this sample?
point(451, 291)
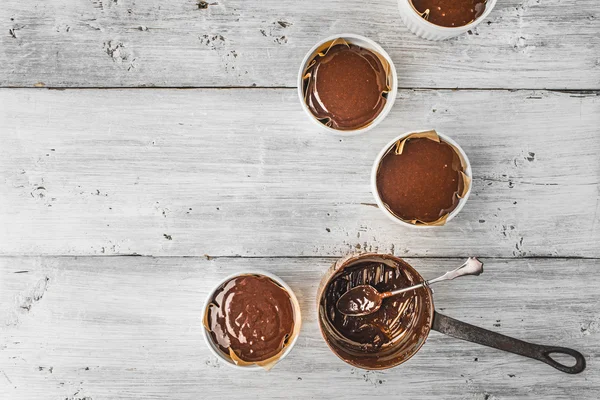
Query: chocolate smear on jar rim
point(457, 165)
point(449, 13)
point(252, 320)
point(346, 86)
point(390, 335)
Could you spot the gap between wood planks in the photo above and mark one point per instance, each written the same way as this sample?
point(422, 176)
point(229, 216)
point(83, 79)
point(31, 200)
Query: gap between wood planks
point(585, 92)
point(210, 257)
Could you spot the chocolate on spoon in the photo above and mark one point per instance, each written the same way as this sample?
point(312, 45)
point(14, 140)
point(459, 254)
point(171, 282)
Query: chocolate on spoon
point(365, 299)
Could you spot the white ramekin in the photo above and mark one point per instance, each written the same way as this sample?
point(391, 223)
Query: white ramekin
point(297, 320)
point(367, 44)
point(425, 29)
point(384, 151)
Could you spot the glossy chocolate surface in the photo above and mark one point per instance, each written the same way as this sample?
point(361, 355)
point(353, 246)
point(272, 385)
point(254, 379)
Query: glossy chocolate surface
point(391, 334)
point(450, 13)
point(346, 88)
point(363, 299)
point(423, 183)
point(251, 315)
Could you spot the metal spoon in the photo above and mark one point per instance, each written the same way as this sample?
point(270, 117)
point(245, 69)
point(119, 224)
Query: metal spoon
point(365, 299)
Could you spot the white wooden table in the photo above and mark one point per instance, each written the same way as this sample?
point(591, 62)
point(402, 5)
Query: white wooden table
point(171, 151)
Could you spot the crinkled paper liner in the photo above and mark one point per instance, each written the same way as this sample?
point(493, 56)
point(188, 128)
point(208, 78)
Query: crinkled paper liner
point(465, 180)
point(269, 362)
point(322, 52)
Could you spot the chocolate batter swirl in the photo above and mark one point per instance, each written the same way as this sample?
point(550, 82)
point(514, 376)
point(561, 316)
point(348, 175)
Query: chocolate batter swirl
point(391, 334)
point(346, 88)
point(252, 316)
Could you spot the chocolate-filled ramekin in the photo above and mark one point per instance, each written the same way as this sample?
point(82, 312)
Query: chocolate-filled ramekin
point(252, 307)
point(421, 27)
point(407, 317)
point(461, 196)
point(320, 50)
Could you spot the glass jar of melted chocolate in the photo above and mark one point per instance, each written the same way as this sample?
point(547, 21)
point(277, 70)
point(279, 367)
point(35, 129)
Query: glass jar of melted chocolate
point(251, 319)
point(346, 86)
point(387, 337)
point(449, 13)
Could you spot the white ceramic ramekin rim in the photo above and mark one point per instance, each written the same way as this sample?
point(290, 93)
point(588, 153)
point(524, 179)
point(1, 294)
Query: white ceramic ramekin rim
point(431, 31)
point(297, 319)
point(362, 42)
point(377, 197)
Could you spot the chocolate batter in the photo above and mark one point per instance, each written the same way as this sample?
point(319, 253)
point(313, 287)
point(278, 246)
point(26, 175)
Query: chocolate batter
point(450, 13)
point(347, 88)
point(423, 183)
point(389, 335)
point(251, 315)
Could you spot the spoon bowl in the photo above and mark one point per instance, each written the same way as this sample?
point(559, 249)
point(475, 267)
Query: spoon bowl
point(360, 300)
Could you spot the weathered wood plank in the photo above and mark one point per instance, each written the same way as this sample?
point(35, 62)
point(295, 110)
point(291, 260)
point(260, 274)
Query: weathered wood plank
point(129, 327)
point(103, 43)
point(244, 172)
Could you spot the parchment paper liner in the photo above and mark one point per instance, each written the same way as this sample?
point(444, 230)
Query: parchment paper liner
point(269, 362)
point(322, 52)
point(464, 181)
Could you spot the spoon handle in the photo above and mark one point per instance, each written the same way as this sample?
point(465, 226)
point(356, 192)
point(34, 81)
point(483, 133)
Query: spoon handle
point(470, 267)
point(403, 290)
